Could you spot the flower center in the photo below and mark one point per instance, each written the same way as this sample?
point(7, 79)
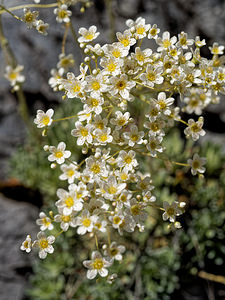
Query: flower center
point(195, 164)
point(170, 211)
point(135, 209)
point(98, 264)
point(116, 220)
point(45, 120)
point(95, 85)
point(13, 75)
point(70, 173)
point(95, 168)
point(121, 85)
point(43, 243)
point(94, 102)
point(76, 88)
point(84, 132)
point(111, 67)
point(113, 251)
point(125, 42)
point(195, 128)
point(89, 36)
point(86, 222)
point(116, 53)
point(140, 30)
point(66, 219)
point(151, 76)
point(69, 202)
point(153, 31)
point(112, 190)
point(58, 154)
point(166, 43)
point(128, 159)
point(103, 137)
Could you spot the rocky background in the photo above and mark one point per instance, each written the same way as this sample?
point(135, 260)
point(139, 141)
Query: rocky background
point(39, 54)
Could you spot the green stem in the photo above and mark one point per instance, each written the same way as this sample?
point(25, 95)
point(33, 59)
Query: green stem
point(11, 61)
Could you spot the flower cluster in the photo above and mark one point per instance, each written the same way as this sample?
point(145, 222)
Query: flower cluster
point(108, 189)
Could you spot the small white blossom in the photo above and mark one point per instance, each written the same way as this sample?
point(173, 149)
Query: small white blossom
point(27, 244)
point(44, 244)
point(87, 35)
point(45, 222)
point(97, 265)
point(196, 164)
point(171, 211)
point(44, 118)
point(59, 154)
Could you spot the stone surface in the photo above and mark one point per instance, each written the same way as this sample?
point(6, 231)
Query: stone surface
point(16, 221)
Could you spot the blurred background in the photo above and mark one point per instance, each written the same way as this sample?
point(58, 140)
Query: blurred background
point(159, 264)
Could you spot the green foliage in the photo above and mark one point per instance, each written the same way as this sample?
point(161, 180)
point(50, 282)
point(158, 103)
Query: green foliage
point(30, 164)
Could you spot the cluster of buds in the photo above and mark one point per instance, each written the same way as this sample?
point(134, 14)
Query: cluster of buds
point(30, 18)
point(108, 190)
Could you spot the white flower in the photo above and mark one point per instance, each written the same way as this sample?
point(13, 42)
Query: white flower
point(44, 118)
point(171, 211)
point(94, 103)
point(194, 129)
point(154, 144)
point(183, 41)
point(30, 17)
point(27, 244)
point(45, 222)
point(196, 164)
point(116, 50)
point(164, 103)
point(13, 74)
point(69, 172)
point(65, 62)
point(152, 76)
point(133, 136)
point(216, 49)
point(97, 265)
point(115, 251)
point(103, 136)
point(53, 80)
point(111, 65)
point(112, 188)
point(126, 39)
point(44, 244)
point(59, 154)
point(142, 57)
point(153, 32)
point(165, 42)
point(139, 27)
point(73, 86)
point(87, 35)
point(41, 27)
point(121, 85)
point(68, 200)
point(96, 167)
point(127, 159)
point(85, 222)
point(63, 14)
point(96, 84)
point(65, 220)
point(83, 133)
point(199, 43)
point(120, 120)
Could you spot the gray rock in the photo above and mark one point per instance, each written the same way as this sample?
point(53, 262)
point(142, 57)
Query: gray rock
point(16, 221)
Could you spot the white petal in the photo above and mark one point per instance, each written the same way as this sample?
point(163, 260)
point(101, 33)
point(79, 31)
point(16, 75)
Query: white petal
point(91, 274)
point(103, 272)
